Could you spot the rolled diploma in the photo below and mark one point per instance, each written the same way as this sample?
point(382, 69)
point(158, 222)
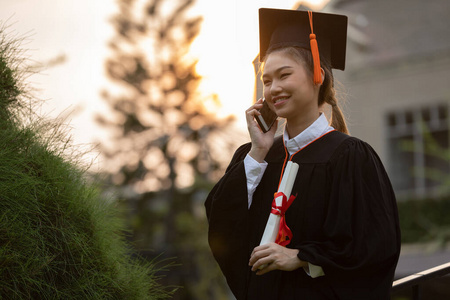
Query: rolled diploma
point(273, 223)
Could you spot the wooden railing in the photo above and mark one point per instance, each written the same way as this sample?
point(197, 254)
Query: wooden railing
point(416, 281)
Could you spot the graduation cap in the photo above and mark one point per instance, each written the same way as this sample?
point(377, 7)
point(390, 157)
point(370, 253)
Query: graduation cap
point(322, 33)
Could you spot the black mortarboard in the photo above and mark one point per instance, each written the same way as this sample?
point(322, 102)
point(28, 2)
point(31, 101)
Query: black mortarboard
point(281, 27)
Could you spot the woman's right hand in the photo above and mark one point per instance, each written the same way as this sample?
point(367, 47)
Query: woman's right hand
point(261, 142)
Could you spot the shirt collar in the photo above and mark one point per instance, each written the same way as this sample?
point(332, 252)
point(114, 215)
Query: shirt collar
point(314, 131)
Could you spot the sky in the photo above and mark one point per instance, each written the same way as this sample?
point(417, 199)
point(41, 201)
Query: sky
point(78, 31)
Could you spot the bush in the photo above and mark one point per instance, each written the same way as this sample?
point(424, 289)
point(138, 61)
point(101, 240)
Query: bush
point(425, 220)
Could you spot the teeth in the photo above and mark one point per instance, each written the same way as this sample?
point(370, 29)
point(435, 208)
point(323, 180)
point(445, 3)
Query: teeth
point(280, 99)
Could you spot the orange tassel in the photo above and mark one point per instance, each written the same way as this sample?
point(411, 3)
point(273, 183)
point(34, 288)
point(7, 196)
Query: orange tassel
point(315, 52)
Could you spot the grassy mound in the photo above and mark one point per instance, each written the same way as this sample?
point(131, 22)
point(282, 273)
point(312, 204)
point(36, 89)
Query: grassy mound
point(59, 239)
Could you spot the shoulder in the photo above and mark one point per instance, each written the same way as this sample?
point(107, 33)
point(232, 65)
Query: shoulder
point(242, 150)
point(356, 152)
point(240, 154)
point(335, 145)
point(322, 149)
point(352, 145)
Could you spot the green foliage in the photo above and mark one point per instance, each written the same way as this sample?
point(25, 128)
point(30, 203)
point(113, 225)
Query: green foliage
point(436, 154)
point(59, 239)
point(425, 220)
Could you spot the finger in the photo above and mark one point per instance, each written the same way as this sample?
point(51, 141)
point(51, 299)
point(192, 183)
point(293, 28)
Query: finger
point(254, 258)
point(258, 103)
point(252, 112)
point(257, 250)
point(250, 117)
point(259, 254)
point(267, 269)
point(260, 247)
point(256, 106)
point(262, 263)
point(265, 251)
point(267, 246)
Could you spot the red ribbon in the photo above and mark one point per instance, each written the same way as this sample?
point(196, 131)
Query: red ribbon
point(284, 235)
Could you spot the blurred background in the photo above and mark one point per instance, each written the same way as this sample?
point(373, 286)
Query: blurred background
point(155, 93)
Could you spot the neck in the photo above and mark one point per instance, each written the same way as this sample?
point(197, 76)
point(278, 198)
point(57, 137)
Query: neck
point(299, 124)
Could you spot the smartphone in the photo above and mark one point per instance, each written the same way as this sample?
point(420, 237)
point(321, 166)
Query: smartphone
point(267, 117)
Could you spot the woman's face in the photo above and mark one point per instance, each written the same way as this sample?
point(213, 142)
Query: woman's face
point(288, 86)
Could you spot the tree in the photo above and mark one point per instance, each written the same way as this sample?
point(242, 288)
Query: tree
point(168, 147)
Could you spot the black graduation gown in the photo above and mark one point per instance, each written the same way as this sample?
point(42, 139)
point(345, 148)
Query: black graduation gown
point(344, 219)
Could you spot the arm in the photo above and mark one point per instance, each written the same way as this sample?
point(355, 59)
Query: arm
point(254, 171)
point(361, 231)
point(227, 213)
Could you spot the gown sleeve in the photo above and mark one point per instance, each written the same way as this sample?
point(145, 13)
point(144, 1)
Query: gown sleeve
point(227, 213)
point(361, 236)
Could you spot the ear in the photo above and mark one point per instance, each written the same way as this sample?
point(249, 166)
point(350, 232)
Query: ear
point(322, 73)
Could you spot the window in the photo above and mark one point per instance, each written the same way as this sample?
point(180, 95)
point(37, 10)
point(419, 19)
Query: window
point(418, 149)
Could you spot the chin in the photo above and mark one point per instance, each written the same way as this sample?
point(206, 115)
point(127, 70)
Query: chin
point(282, 113)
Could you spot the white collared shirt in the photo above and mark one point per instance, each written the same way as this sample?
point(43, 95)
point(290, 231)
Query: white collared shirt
point(307, 136)
point(254, 171)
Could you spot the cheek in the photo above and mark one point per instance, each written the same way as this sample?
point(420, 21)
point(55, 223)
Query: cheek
point(266, 92)
point(302, 85)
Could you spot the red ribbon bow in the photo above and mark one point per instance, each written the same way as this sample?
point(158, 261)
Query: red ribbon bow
point(284, 235)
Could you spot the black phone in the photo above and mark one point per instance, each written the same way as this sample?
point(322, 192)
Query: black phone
point(267, 117)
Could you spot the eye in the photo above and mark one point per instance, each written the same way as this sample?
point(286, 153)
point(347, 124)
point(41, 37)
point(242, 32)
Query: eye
point(284, 75)
point(266, 82)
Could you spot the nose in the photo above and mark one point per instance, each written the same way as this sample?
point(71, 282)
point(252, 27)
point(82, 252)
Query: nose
point(275, 88)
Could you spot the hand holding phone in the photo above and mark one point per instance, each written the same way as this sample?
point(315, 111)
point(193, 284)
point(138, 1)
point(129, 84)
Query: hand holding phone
point(266, 118)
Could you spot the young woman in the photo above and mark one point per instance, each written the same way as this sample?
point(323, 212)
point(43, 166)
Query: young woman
point(345, 233)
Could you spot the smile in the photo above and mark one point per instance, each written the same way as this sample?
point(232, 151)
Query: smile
point(279, 100)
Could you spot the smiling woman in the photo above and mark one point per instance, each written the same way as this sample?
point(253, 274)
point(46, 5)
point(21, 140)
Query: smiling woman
point(339, 235)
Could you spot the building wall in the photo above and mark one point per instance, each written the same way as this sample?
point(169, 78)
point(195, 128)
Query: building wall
point(372, 94)
point(398, 60)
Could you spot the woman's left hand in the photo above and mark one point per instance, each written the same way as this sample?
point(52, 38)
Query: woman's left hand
point(274, 257)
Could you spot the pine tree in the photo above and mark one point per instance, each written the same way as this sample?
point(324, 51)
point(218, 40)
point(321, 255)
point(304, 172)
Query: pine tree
point(168, 148)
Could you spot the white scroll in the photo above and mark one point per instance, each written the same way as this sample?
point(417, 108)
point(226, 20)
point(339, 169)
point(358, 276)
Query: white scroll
point(273, 223)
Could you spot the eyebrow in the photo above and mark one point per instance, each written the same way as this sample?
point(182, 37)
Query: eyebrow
point(279, 70)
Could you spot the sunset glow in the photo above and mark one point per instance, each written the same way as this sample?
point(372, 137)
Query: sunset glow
point(226, 47)
point(79, 32)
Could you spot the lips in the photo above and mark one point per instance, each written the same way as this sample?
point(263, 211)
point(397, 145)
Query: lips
point(277, 101)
